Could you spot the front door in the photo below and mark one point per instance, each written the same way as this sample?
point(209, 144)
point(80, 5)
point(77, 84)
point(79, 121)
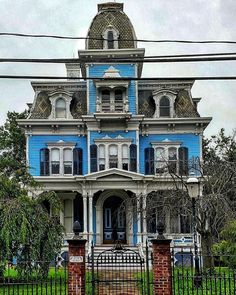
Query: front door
point(114, 221)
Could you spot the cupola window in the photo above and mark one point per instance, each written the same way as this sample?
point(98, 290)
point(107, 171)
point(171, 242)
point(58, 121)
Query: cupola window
point(60, 108)
point(110, 37)
point(110, 40)
point(164, 107)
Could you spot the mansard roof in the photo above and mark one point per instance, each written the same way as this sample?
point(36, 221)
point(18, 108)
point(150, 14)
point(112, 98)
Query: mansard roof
point(111, 15)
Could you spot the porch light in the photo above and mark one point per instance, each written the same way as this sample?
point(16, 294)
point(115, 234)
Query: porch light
point(77, 228)
point(193, 187)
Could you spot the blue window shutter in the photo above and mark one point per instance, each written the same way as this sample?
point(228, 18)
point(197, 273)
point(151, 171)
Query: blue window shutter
point(93, 158)
point(183, 161)
point(133, 157)
point(149, 160)
point(44, 162)
point(78, 161)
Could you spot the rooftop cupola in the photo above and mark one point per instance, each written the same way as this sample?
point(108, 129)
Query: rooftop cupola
point(111, 29)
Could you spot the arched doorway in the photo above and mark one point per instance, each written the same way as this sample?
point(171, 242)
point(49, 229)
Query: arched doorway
point(114, 220)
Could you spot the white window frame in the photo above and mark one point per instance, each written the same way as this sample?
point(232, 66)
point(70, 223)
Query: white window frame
point(115, 37)
point(107, 142)
point(157, 96)
point(112, 99)
point(54, 96)
point(61, 146)
point(112, 86)
point(166, 145)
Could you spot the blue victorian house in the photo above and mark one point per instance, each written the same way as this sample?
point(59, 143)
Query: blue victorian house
point(106, 145)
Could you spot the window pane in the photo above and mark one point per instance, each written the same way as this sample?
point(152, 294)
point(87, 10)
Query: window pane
point(101, 157)
point(172, 160)
point(102, 151)
point(55, 155)
point(125, 151)
point(161, 164)
point(113, 150)
point(164, 107)
point(110, 40)
point(113, 156)
point(60, 108)
point(55, 161)
point(119, 106)
point(67, 155)
point(105, 100)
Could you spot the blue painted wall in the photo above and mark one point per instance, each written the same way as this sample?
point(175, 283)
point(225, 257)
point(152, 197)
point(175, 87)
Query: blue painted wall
point(191, 141)
point(96, 135)
point(125, 71)
point(38, 142)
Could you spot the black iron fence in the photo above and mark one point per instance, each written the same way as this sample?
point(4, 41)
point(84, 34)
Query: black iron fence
point(202, 274)
point(120, 269)
point(28, 278)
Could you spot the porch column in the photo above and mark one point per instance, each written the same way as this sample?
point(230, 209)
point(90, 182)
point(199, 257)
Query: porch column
point(85, 209)
point(90, 218)
point(144, 219)
point(139, 240)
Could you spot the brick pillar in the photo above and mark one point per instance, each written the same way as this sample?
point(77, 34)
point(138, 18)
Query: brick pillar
point(76, 267)
point(162, 277)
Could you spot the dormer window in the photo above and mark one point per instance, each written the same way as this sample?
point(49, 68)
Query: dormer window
point(164, 107)
point(60, 108)
point(164, 101)
point(60, 101)
point(110, 37)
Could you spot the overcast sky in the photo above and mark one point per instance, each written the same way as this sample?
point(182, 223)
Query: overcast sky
point(153, 19)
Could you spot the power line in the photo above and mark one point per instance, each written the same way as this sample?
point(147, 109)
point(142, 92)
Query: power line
point(158, 59)
point(17, 77)
point(136, 40)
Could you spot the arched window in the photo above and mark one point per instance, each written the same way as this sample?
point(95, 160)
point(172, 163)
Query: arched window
point(164, 107)
point(119, 100)
point(110, 40)
point(113, 156)
point(55, 161)
point(105, 100)
point(60, 108)
point(67, 161)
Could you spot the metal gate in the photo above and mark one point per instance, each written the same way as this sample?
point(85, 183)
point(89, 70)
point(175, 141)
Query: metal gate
point(118, 270)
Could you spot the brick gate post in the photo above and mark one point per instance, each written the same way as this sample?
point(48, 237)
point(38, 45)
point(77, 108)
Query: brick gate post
point(76, 264)
point(162, 275)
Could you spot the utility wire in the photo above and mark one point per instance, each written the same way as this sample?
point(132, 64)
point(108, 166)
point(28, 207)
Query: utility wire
point(136, 40)
point(17, 77)
point(170, 59)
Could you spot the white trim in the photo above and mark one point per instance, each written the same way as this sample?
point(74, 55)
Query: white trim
point(54, 97)
point(158, 95)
